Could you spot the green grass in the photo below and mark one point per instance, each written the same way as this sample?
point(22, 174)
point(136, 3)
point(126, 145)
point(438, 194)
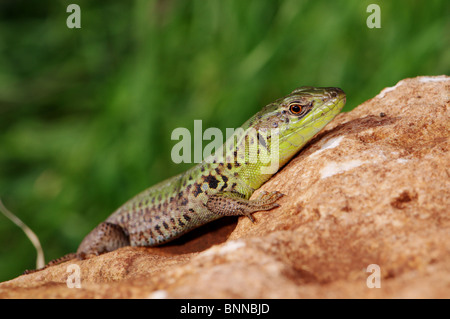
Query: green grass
point(86, 114)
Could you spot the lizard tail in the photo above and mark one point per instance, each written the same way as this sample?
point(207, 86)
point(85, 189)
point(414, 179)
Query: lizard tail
point(53, 263)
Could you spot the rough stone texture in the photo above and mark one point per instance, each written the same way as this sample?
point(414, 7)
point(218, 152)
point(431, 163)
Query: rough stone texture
point(371, 188)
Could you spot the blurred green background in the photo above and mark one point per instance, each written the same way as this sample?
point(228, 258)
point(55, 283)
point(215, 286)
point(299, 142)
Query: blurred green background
point(86, 114)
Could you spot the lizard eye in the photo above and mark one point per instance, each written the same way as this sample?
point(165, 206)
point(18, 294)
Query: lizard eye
point(295, 108)
point(300, 109)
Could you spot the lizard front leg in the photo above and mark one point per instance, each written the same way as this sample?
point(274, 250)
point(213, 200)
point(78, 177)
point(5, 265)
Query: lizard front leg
point(234, 204)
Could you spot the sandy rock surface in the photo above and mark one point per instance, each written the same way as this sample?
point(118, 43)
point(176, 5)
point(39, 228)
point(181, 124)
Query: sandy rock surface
point(373, 188)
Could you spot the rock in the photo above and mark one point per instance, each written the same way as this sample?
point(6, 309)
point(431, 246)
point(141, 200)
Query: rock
point(373, 188)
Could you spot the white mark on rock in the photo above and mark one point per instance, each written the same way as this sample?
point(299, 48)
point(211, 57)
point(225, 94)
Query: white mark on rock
point(222, 250)
point(402, 160)
point(231, 246)
point(439, 78)
point(334, 168)
point(331, 143)
point(388, 89)
point(158, 294)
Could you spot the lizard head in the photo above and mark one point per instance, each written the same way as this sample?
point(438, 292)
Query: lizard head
point(301, 115)
point(286, 125)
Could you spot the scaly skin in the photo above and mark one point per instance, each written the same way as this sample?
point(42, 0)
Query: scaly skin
point(222, 184)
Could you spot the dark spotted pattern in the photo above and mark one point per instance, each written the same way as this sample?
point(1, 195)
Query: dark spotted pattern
point(212, 181)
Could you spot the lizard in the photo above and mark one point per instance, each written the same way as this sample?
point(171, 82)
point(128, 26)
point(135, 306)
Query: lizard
point(223, 183)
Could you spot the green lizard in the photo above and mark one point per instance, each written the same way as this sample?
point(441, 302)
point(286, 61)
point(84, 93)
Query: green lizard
point(222, 184)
